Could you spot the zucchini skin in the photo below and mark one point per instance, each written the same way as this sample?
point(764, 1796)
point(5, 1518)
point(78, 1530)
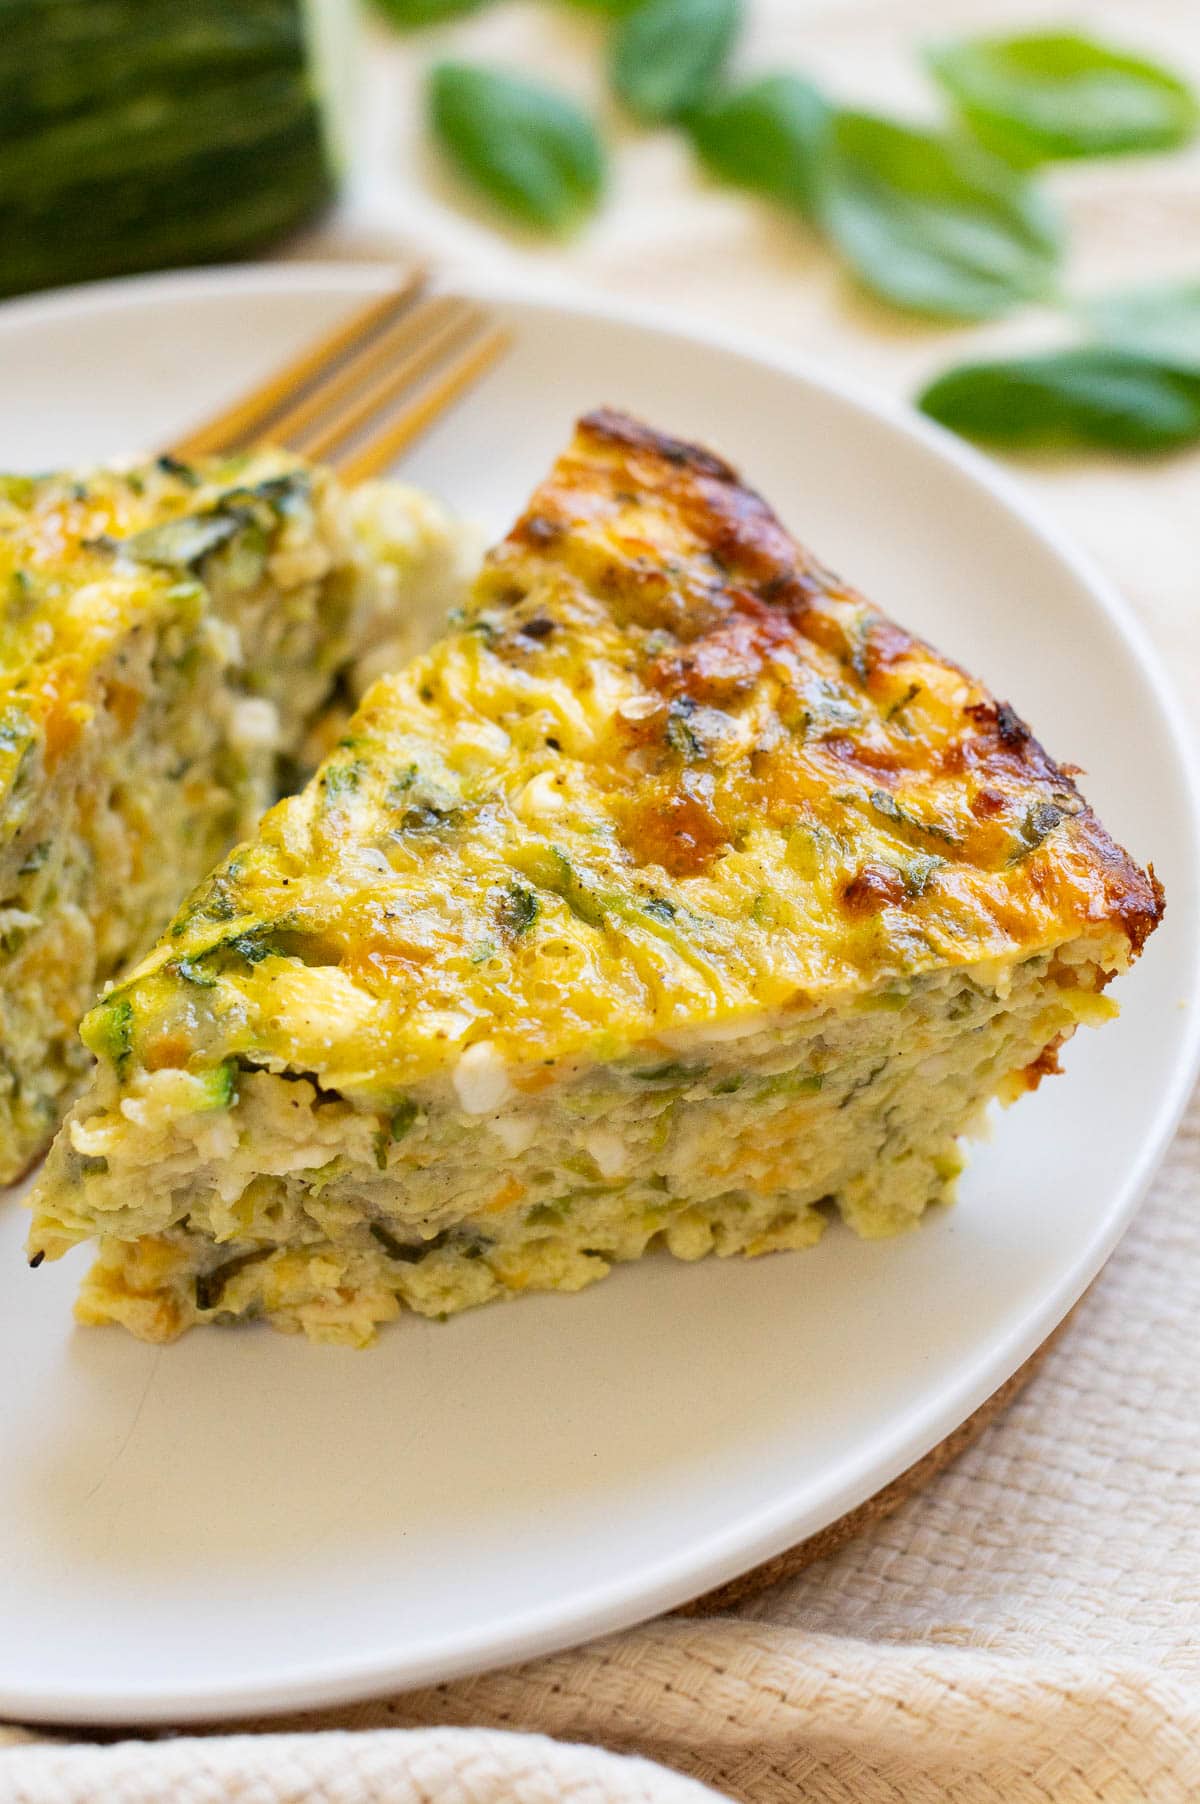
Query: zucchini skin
point(141, 134)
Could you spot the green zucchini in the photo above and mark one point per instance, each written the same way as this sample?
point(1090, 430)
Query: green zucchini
point(138, 134)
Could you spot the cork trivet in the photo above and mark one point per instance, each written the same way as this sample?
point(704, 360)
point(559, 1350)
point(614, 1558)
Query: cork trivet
point(828, 1540)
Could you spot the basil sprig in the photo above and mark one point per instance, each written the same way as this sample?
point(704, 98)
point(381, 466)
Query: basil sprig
point(1087, 395)
point(1162, 321)
point(1134, 387)
point(927, 221)
point(771, 137)
point(1046, 95)
point(528, 148)
point(936, 222)
point(668, 55)
point(933, 224)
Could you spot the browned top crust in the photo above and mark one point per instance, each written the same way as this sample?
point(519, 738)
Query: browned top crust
point(741, 613)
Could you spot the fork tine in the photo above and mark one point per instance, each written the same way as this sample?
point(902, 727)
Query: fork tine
point(293, 426)
point(245, 419)
point(346, 421)
point(381, 450)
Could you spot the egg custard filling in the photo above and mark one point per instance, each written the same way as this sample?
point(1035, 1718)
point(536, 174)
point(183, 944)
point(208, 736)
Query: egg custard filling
point(173, 639)
point(675, 898)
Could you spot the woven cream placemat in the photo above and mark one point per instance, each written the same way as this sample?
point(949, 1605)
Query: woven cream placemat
point(1025, 1629)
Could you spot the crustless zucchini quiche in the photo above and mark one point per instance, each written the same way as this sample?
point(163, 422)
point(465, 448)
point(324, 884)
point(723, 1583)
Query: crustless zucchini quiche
point(167, 635)
point(675, 898)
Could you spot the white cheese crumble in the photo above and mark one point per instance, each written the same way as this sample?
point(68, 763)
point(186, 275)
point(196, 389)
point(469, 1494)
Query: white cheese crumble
point(608, 1150)
point(255, 722)
point(373, 859)
point(542, 795)
point(515, 1133)
point(481, 1079)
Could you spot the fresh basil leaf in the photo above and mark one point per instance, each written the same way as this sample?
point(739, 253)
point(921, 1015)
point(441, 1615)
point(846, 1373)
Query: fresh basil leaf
point(1056, 94)
point(934, 224)
point(531, 150)
point(1162, 322)
point(411, 14)
point(667, 56)
point(771, 137)
point(1094, 395)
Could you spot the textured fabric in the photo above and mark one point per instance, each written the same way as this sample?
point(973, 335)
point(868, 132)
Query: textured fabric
point(434, 1766)
point(1027, 1630)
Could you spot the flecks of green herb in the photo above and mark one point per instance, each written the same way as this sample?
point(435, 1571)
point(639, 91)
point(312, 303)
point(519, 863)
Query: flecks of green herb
point(34, 859)
point(399, 786)
point(662, 1074)
point(1044, 95)
point(659, 908)
point(897, 708)
point(217, 906)
point(729, 1086)
point(668, 55)
point(21, 589)
point(194, 973)
point(1037, 826)
point(428, 815)
point(551, 869)
point(1096, 396)
point(404, 1118)
point(518, 910)
point(681, 736)
point(771, 137)
point(793, 1083)
point(919, 870)
point(220, 1085)
point(253, 947)
point(108, 1032)
point(342, 779)
point(529, 149)
point(887, 805)
point(544, 1215)
point(15, 730)
point(179, 544)
point(173, 466)
point(483, 951)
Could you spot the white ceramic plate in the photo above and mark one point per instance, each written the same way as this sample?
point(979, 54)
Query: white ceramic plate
point(243, 1521)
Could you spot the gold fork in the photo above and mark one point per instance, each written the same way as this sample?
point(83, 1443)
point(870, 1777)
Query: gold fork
point(364, 391)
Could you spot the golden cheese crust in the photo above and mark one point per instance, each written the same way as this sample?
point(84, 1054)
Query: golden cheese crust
point(673, 540)
point(666, 771)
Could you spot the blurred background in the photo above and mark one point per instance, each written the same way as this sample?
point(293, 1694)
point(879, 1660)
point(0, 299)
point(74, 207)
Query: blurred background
point(989, 206)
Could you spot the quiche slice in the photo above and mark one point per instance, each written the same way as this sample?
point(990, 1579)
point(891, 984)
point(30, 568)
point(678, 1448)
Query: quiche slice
point(676, 897)
point(167, 635)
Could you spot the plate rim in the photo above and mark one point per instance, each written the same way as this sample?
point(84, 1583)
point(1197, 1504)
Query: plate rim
point(724, 1554)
